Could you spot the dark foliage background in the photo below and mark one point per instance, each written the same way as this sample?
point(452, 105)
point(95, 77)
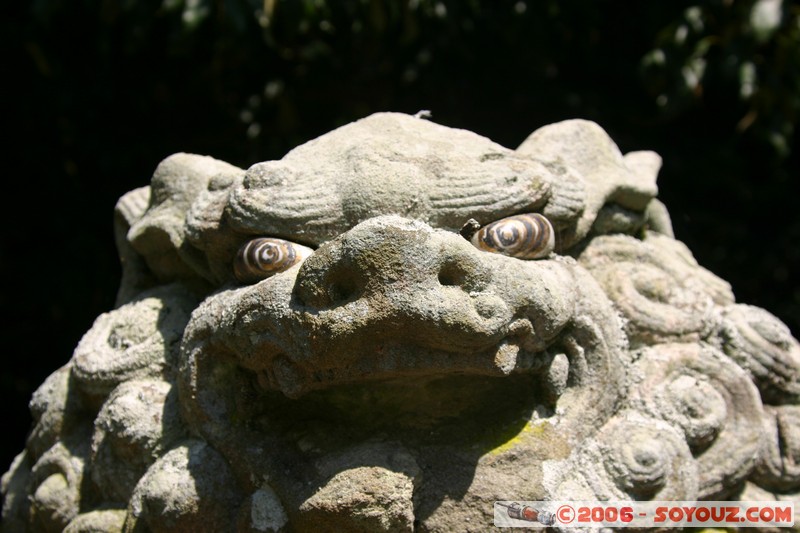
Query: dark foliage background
point(97, 92)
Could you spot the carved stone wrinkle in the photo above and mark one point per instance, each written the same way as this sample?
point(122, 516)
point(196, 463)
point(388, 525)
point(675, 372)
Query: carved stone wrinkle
point(394, 325)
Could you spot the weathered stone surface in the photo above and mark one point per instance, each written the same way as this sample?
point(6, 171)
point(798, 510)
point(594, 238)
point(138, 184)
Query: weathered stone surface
point(778, 465)
point(160, 235)
point(15, 486)
point(711, 401)
point(56, 484)
point(262, 512)
point(375, 485)
point(763, 346)
point(190, 488)
point(137, 423)
point(661, 291)
point(136, 276)
point(623, 186)
point(400, 378)
point(98, 521)
point(55, 410)
point(137, 340)
point(387, 163)
point(632, 457)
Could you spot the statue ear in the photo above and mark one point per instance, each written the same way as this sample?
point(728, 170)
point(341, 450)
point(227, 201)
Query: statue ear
point(208, 230)
point(616, 190)
point(160, 235)
point(283, 199)
point(136, 275)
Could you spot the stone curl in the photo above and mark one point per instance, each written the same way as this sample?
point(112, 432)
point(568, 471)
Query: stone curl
point(632, 457)
point(711, 401)
point(762, 345)
point(658, 287)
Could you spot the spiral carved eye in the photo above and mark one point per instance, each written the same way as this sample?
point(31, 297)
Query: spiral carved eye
point(527, 236)
point(260, 258)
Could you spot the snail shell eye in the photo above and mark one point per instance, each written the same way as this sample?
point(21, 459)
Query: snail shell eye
point(260, 258)
point(527, 236)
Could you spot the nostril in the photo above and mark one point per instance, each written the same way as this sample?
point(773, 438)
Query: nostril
point(328, 288)
point(341, 290)
point(462, 270)
point(462, 273)
point(452, 275)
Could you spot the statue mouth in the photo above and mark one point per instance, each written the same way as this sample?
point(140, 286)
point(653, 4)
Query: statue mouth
point(512, 350)
point(449, 407)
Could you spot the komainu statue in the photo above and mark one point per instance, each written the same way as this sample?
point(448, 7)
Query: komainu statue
point(395, 325)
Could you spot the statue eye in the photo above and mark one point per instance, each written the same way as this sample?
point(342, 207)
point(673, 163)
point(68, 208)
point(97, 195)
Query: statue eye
point(260, 258)
point(527, 236)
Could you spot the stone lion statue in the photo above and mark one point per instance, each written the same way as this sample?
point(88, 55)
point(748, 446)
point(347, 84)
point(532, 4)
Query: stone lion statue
point(395, 325)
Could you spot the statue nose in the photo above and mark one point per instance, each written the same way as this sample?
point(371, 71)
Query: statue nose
point(391, 262)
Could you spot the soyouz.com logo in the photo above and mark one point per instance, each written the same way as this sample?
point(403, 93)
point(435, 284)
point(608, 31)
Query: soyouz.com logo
point(566, 514)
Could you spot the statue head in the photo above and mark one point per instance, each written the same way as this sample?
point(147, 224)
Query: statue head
point(395, 324)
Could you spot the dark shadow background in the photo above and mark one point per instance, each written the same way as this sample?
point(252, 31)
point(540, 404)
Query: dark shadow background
point(97, 92)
